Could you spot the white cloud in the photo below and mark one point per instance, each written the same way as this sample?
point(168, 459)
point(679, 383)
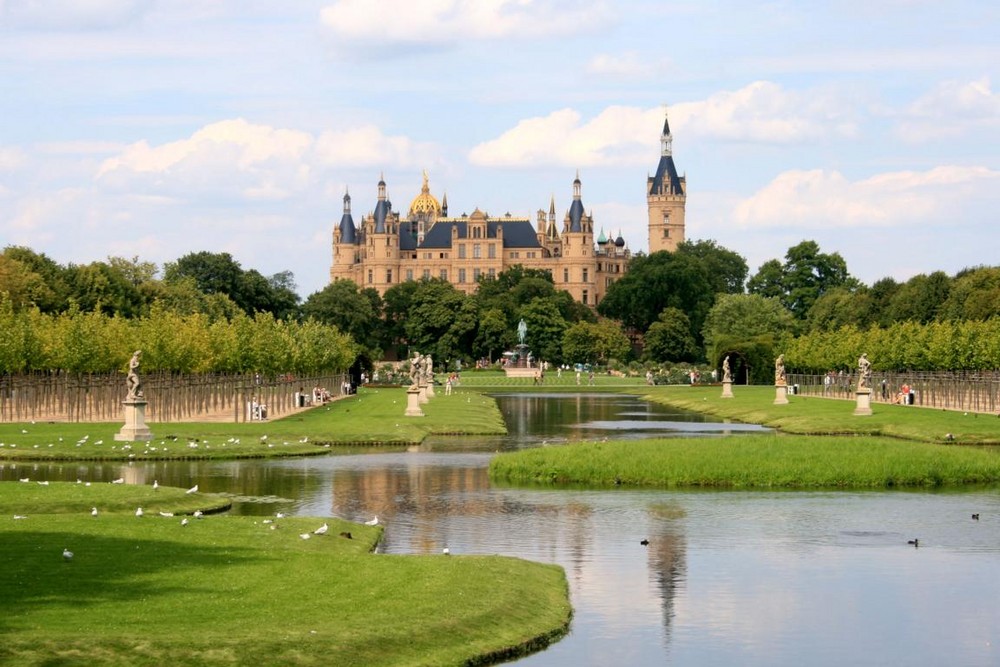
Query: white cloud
point(627, 65)
point(406, 24)
point(620, 135)
point(765, 112)
point(952, 108)
point(71, 14)
point(10, 158)
point(820, 199)
point(367, 146)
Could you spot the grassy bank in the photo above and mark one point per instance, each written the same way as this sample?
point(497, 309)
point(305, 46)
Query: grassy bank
point(813, 415)
point(373, 416)
point(229, 590)
point(752, 461)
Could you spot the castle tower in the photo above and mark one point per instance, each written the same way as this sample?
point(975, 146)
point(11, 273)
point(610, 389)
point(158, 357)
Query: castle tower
point(666, 196)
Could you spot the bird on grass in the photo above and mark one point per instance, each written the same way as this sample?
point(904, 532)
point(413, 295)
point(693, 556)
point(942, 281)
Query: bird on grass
point(184, 522)
point(156, 485)
point(279, 515)
point(644, 542)
point(93, 511)
point(372, 522)
point(120, 480)
point(67, 554)
point(321, 530)
point(305, 536)
point(197, 514)
point(193, 489)
point(915, 542)
point(138, 511)
point(166, 514)
point(446, 551)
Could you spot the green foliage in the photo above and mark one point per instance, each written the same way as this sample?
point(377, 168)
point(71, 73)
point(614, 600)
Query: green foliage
point(727, 270)
point(744, 317)
point(594, 343)
point(805, 276)
point(546, 327)
point(353, 311)
point(670, 339)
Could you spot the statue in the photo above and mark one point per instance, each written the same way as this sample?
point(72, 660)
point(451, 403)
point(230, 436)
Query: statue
point(415, 369)
point(522, 331)
point(132, 380)
point(427, 369)
point(779, 369)
point(864, 373)
point(726, 377)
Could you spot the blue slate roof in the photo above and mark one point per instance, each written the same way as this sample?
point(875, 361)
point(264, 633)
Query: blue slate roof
point(666, 181)
point(575, 216)
point(516, 234)
point(347, 229)
point(382, 209)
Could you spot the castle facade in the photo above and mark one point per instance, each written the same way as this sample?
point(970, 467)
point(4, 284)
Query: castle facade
point(388, 248)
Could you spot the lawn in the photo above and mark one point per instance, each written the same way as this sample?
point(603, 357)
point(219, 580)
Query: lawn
point(231, 590)
point(370, 417)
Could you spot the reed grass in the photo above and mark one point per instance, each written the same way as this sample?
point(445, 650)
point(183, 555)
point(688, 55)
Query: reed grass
point(751, 462)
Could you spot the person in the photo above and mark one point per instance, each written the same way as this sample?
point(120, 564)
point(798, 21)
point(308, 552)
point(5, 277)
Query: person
point(578, 376)
point(864, 372)
point(779, 369)
point(590, 378)
point(132, 380)
point(827, 382)
point(447, 386)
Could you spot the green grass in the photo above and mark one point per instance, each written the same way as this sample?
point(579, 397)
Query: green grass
point(67, 498)
point(497, 380)
point(752, 461)
point(373, 416)
point(229, 590)
point(811, 415)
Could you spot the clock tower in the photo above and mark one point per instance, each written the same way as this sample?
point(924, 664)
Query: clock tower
point(666, 196)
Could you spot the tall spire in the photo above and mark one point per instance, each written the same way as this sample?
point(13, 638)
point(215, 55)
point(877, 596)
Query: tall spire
point(666, 139)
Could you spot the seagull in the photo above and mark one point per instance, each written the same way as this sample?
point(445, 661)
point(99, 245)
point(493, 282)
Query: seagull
point(156, 485)
point(305, 536)
point(67, 554)
point(373, 522)
point(445, 551)
point(279, 515)
point(166, 514)
point(321, 530)
point(197, 514)
point(19, 516)
point(25, 479)
point(93, 511)
point(193, 489)
point(120, 480)
point(138, 511)
point(184, 522)
point(44, 483)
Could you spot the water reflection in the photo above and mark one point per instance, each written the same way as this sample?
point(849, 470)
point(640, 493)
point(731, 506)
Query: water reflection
point(818, 578)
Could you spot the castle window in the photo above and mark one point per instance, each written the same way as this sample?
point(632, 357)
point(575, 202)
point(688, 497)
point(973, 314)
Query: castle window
point(492, 273)
point(444, 274)
point(388, 275)
point(409, 274)
point(477, 251)
point(461, 251)
point(666, 233)
point(461, 276)
point(586, 277)
point(443, 255)
point(583, 298)
point(565, 275)
point(476, 275)
point(491, 251)
point(427, 274)
point(476, 232)
point(371, 277)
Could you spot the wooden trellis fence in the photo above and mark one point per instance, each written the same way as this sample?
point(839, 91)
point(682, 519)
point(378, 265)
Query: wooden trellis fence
point(970, 391)
point(61, 396)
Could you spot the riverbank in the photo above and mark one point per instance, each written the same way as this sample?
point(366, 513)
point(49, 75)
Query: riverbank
point(233, 590)
point(805, 415)
point(370, 417)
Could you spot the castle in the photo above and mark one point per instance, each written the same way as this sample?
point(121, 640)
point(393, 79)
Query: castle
point(388, 248)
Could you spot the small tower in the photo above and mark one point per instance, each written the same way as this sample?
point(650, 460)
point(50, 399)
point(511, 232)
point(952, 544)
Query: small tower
point(666, 197)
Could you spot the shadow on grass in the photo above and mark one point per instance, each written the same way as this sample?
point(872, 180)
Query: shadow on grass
point(103, 569)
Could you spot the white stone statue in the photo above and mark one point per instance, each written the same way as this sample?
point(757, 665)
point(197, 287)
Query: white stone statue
point(864, 373)
point(415, 369)
point(779, 369)
point(132, 380)
point(726, 377)
point(522, 331)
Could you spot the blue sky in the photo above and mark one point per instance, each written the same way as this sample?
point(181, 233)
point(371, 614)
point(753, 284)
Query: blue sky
point(157, 128)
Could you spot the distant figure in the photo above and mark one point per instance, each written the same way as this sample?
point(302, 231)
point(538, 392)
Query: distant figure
point(522, 331)
point(726, 377)
point(864, 373)
point(132, 379)
point(779, 369)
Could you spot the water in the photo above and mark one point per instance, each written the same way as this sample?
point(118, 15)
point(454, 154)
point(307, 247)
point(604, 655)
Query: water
point(818, 578)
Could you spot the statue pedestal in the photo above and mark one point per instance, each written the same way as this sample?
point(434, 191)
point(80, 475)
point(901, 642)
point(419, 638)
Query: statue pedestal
point(413, 403)
point(135, 422)
point(781, 394)
point(430, 388)
point(727, 389)
point(863, 406)
point(422, 393)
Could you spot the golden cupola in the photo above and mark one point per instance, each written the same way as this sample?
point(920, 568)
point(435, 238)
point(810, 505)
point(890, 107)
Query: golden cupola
point(425, 204)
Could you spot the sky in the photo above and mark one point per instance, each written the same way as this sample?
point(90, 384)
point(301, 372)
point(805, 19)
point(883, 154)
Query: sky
point(157, 128)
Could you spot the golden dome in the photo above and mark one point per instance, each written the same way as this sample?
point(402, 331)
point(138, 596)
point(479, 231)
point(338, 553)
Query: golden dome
point(425, 203)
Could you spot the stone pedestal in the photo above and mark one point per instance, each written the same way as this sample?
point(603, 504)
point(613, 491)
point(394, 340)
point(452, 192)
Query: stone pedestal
point(413, 403)
point(430, 389)
point(422, 393)
point(727, 389)
point(781, 394)
point(863, 406)
point(135, 422)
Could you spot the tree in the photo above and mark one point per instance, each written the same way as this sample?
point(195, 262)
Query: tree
point(974, 295)
point(670, 339)
point(804, 277)
point(840, 307)
point(433, 311)
point(727, 270)
point(920, 299)
point(593, 343)
point(54, 298)
point(23, 287)
point(745, 317)
point(344, 305)
point(494, 334)
point(546, 327)
point(100, 286)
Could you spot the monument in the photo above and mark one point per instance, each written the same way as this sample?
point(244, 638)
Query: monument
point(780, 383)
point(521, 364)
point(413, 391)
point(727, 379)
point(863, 392)
point(428, 372)
point(135, 405)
